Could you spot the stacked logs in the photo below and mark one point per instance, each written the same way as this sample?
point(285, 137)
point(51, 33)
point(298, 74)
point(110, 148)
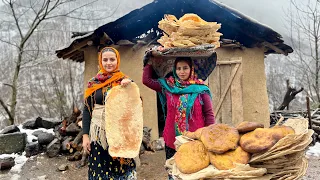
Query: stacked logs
point(71, 132)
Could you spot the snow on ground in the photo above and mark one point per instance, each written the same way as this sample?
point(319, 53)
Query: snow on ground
point(19, 160)
point(15, 177)
point(30, 137)
point(314, 150)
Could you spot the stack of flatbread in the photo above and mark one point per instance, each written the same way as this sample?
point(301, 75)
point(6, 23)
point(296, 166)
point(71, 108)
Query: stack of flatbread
point(286, 159)
point(190, 30)
point(248, 151)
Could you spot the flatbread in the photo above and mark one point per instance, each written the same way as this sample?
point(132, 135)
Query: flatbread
point(124, 121)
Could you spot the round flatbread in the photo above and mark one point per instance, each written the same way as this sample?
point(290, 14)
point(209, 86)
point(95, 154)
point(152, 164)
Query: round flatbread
point(227, 160)
point(220, 138)
point(262, 139)
point(247, 126)
point(124, 121)
point(192, 157)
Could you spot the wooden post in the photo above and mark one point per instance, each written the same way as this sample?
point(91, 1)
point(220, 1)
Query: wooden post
point(309, 113)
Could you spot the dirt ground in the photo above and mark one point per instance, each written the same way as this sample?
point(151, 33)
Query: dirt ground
point(313, 170)
point(41, 168)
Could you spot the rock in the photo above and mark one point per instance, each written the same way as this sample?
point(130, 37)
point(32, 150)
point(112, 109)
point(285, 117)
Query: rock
point(36, 133)
point(146, 135)
point(158, 144)
point(30, 125)
point(47, 124)
point(63, 167)
point(53, 148)
point(6, 163)
point(45, 138)
point(32, 149)
point(10, 129)
point(12, 143)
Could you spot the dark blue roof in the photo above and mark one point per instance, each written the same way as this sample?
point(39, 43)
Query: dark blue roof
point(235, 25)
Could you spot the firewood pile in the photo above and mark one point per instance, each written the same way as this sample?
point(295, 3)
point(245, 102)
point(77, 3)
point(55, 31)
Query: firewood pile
point(71, 133)
point(71, 144)
point(56, 137)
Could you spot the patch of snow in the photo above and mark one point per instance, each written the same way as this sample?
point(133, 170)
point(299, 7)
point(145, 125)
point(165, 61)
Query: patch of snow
point(2, 156)
point(236, 15)
point(32, 138)
point(15, 177)
point(19, 160)
point(314, 150)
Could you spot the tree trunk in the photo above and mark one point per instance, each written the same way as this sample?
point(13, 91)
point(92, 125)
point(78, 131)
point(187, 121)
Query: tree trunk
point(290, 95)
point(14, 86)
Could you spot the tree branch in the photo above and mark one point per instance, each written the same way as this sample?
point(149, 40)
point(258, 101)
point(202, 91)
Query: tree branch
point(66, 14)
point(5, 107)
point(7, 42)
point(15, 19)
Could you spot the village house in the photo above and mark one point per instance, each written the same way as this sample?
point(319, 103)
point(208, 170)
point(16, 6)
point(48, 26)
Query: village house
point(238, 83)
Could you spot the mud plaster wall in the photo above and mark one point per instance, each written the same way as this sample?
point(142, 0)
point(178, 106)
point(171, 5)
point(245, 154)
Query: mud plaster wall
point(253, 81)
point(131, 64)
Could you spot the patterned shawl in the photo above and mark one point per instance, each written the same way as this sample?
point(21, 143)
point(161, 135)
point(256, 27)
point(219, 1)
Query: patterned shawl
point(188, 91)
point(103, 78)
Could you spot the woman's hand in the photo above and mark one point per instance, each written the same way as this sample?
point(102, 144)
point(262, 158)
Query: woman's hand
point(86, 142)
point(125, 82)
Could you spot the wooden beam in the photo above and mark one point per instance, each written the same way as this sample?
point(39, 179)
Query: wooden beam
point(105, 39)
point(273, 47)
point(70, 55)
point(229, 62)
point(75, 46)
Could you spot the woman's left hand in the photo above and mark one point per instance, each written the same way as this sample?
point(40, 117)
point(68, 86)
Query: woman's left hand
point(125, 82)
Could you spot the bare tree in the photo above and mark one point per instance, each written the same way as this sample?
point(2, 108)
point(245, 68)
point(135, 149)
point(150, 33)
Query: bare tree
point(304, 26)
point(26, 17)
point(289, 96)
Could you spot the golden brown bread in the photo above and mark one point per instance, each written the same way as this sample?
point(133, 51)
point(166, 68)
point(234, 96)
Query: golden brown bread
point(283, 130)
point(259, 140)
point(220, 138)
point(194, 135)
point(226, 161)
point(247, 126)
point(262, 139)
point(191, 157)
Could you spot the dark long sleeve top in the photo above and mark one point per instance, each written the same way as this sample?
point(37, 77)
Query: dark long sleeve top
point(94, 98)
point(154, 84)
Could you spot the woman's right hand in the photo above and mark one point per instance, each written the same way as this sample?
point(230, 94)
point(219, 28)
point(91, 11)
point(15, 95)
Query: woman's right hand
point(86, 142)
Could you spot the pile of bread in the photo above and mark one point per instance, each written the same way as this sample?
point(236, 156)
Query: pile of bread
point(279, 149)
point(190, 30)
